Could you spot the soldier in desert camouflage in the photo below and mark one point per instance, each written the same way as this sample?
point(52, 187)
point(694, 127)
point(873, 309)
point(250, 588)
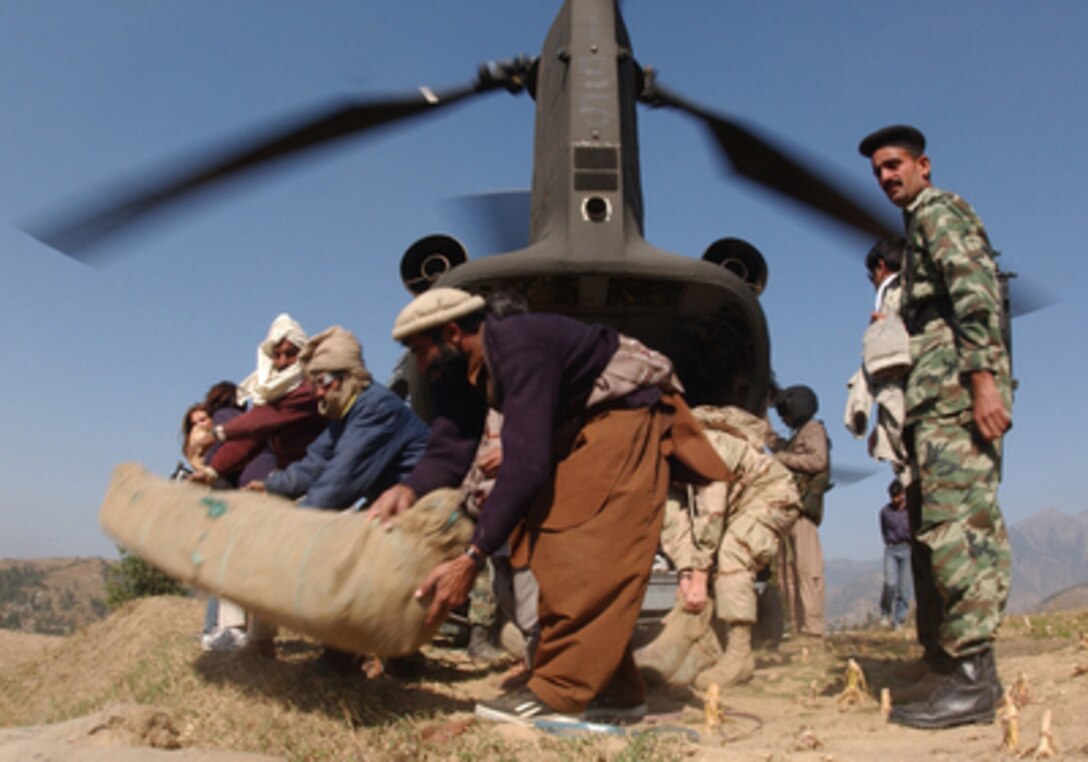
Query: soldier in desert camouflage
point(958, 406)
point(723, 534)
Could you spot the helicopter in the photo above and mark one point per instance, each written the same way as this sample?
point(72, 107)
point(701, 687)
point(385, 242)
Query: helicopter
point(586, 256)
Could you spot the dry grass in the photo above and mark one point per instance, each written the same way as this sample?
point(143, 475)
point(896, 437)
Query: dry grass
point(147, 654)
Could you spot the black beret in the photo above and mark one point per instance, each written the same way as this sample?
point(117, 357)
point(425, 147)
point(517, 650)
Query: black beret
point(902, 135)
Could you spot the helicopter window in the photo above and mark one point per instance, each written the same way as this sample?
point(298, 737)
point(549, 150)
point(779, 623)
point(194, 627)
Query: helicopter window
point(596, 181)
point(596, 157)
point(596, 168)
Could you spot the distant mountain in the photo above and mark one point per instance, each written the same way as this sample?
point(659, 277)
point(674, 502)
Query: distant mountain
point(852, 590)
point(1050, 556)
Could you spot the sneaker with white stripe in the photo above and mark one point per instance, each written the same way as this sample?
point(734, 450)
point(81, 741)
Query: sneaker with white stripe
point(522, 707)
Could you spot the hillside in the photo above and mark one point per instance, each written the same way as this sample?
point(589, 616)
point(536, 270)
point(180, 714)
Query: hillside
point(52, 596)
point(139, 679)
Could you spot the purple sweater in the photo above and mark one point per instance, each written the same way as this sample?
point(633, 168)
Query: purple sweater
point(894, 525)
point(542, 369)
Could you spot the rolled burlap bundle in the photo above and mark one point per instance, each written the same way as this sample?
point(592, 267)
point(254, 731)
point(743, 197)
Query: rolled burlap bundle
point(335, 576)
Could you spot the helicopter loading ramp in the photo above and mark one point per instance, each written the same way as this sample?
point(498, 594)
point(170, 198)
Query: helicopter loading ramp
point(335, 576)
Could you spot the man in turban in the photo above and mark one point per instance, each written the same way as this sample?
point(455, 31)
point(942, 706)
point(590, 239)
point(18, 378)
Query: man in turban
point(590, 418)
point(372, 441)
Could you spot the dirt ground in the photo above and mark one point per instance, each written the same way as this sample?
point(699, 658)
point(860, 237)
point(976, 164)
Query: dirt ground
point(137, 686)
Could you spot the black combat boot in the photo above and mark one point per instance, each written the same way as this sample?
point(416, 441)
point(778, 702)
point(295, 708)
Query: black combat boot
point(965, 696)
point(995, 680)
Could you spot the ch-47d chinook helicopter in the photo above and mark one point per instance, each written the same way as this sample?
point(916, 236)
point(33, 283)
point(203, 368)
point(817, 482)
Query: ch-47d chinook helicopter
point(586, 255)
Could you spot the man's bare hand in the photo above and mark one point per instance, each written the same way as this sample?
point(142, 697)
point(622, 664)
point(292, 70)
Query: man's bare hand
point(255, 486)
point(393, 502)
point(692, 589)
point(201, 476)
point(991, 417)
point(449, 583)
point(489, 463)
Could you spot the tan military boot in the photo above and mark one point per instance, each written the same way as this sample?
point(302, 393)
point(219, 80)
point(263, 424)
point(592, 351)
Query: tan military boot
point(703, 653)
point(737, 665)
point(660, 659)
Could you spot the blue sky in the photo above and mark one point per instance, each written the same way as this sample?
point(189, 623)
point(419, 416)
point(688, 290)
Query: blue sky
point(100, 362)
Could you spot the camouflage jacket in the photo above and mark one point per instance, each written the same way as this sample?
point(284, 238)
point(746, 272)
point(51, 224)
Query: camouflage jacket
point(763, 488)
point(952, 305)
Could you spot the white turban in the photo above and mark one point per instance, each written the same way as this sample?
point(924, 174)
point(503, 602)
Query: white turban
point(266, 384)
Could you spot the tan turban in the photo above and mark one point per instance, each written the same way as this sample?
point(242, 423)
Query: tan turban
point(336, 350)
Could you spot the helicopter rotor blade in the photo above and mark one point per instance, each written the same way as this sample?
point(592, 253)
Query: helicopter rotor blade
point(757, 159)
point(847, 474)
point(75, 231)
point(500, 219)
point(1028, 295)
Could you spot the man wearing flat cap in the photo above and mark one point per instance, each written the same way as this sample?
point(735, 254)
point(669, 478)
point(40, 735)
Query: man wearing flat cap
point(372, 441)
point(958, 406)
point(591, 421)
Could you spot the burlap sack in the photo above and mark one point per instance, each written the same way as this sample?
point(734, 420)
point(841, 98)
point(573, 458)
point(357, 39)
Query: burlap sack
point(338, 577)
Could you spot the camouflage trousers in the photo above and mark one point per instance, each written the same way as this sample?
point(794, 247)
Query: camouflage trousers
point(482, 608)
point(748, 543)
point(751, 543)
point(960, 540)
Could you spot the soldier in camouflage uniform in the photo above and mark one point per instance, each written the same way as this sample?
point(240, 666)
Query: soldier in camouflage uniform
point(727, 532)
point(958, 403)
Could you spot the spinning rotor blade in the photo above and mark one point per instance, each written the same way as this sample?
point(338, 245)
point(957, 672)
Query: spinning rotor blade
point(755, 158)
point(74, 232)
point(851, 474)
point(499, 218)
point(1027, 295)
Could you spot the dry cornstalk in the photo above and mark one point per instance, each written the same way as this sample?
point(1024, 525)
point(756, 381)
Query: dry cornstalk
point(857, 689)
point(807, 740)
point(1020, 693)
point(712, 706)
point(804, 655)
point(885, 702)
point(1010, 722)
point(1046, 748)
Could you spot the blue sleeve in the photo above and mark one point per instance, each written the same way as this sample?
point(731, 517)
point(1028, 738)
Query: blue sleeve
point(885, 524)
point(367, 446)
point(298, 477)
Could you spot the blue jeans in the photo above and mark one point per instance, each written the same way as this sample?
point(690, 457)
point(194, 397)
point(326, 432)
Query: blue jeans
point(211, 615)
point(895, 599)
